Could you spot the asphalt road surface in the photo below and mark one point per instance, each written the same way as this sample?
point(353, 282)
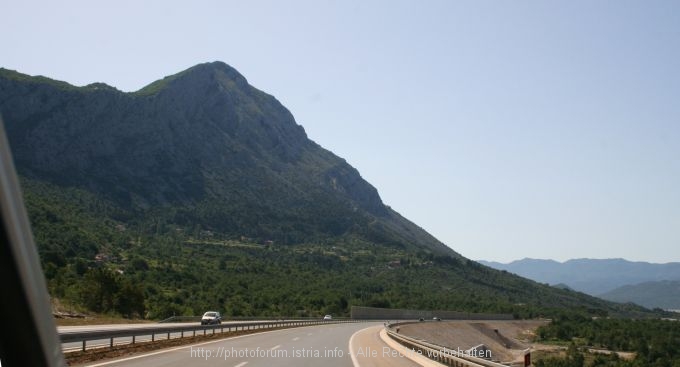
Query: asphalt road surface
point(323, 345)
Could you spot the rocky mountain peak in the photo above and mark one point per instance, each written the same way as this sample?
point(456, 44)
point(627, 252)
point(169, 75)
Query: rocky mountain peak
point(210, 75)
point(200, 79)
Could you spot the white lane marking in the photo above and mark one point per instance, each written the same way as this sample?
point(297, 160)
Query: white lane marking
point(276, 347)
point(355, 362)
point(296, 339)
point(241, 364)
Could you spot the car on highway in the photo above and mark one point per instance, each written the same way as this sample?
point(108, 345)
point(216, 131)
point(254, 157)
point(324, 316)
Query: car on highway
point(327, 317)
point(211, 318)
point(436, 318)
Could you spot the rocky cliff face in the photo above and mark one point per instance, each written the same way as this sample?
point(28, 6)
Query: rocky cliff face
point(203, 142)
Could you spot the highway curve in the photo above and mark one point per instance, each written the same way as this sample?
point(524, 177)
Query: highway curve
point(322, 345)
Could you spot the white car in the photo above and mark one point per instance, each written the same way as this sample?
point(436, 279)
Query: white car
point(211, 317)
point(327, 317)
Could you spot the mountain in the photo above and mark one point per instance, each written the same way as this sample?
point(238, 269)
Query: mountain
point(200, 192)
point(664, 294)
point(204, 143)
point(591, 276)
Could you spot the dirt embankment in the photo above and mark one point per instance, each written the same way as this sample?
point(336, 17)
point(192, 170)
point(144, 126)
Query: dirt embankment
point(506, 340)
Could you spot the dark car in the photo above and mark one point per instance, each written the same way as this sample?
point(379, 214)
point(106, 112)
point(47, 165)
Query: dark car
point(211, 318)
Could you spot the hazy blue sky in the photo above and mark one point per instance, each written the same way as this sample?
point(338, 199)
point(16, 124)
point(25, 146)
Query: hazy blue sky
point(507, 129)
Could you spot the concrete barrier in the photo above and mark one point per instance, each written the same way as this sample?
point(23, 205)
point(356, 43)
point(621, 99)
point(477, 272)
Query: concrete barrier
point(373, 313)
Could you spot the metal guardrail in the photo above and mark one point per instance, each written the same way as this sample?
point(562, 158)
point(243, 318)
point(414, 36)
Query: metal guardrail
point(240, 318)
point(441, 354)
point(86, 336)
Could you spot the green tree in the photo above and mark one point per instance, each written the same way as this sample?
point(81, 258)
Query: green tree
point(99, 289)
point(130, 300)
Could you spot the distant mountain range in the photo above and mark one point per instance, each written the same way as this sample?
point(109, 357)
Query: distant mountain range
point(663, 294)
point(647, 284)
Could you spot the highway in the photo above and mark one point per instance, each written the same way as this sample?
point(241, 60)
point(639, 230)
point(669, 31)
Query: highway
point(322, 345)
